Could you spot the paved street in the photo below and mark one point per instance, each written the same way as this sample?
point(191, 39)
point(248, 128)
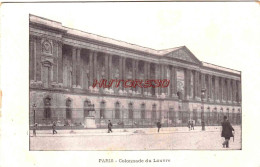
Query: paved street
point(134, 139)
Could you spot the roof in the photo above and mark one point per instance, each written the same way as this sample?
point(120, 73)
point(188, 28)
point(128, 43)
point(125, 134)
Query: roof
point(220, 68)
point(58, 25)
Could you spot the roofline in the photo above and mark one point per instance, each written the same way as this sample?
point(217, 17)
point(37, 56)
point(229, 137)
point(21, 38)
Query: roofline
point(223, 68)
point(138, 48)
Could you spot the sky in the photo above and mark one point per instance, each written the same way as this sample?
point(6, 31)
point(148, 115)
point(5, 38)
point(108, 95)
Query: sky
point(219, 33)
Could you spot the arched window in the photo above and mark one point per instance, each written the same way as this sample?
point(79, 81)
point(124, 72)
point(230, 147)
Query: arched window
point(171, 114)
point(130, 111)
point(233, 116)
point(117, 110)
point(238, 117)
point(194, 114)
point(143, 111)
point(86, 108)
point(179, 94)
point(68, 109)
point(102, 109)
point(228, 113)
point(47, 108)
point(154, 111)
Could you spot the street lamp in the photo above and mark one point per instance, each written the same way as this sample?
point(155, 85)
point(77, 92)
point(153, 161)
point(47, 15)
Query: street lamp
point(203, 91)
point(34, 106)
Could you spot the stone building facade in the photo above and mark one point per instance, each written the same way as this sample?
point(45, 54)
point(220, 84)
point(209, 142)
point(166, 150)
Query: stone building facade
point(64, 63)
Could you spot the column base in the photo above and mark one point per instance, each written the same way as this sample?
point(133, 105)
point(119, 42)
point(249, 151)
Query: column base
point(197, 98)
point(229, 102)
point(174, 96)
point(79, 87)
point(217, 101)
point(34, 83)
point(210, 100)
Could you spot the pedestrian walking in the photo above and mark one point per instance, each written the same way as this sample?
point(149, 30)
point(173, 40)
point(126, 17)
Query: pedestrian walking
point(189, 124)
point(34, 129)
point(109, 126)
point(54, 128)
point(159, 125)
point(226, 131)
point(192, 125)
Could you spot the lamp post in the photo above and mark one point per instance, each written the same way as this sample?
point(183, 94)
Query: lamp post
point(34, 106)
point(203, 91)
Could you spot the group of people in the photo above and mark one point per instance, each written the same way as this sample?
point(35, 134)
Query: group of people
point(191, 125)
point(227, 129)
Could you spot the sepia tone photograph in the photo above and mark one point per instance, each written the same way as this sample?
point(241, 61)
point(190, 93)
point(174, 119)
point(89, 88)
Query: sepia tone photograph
point(90, 92)
point(129, 84)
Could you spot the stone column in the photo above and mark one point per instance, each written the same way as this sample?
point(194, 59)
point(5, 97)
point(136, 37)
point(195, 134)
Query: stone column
point(136, 72)
point(203, 83)
point(199, 86)
point(228, 91)
point(38, 60)
point(163, 72)
point(145, 77)
point(234, 91)
point(149, 76)
point(231, 91)
point(95, 65)
point(171, 81)
point(217, 89)
point(79, 71)
point(220, 90)
point(174, 71)
point(187, 84)
point(210, 88)
point(60, 64)
point(110, 67)
point(223, 90)
point(124, 71)
point(195, 85)
point(74, 67)
point(32, 58)
point(133, 71)
point(239, 91)
point(106, 67)
point(156, 66)
point(91, 70)
point(160, 91)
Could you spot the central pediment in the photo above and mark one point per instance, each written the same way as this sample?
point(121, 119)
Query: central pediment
point(183, 54)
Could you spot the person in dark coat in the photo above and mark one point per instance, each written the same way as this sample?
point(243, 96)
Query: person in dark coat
point(226, 131)
point(189, 124)
point(34, 129)
point(109, 126)
point(159, 125)
point(54, 128)
point(192, 125)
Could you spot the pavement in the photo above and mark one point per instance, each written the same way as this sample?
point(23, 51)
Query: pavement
point(125, 131)
point(169, 138)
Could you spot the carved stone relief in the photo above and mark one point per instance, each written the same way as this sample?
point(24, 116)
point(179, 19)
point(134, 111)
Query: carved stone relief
point(47, 46)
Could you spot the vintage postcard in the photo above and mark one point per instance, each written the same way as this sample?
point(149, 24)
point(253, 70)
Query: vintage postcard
point(146, 84)
point(86, 87)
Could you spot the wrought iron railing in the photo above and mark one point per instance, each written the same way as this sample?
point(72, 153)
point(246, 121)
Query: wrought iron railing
point(75, 117)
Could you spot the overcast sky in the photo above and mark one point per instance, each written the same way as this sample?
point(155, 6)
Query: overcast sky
point(219, 33)
point(212, 31)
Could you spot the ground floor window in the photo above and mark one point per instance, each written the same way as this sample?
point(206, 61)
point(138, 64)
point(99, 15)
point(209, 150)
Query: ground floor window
point(47, 107)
